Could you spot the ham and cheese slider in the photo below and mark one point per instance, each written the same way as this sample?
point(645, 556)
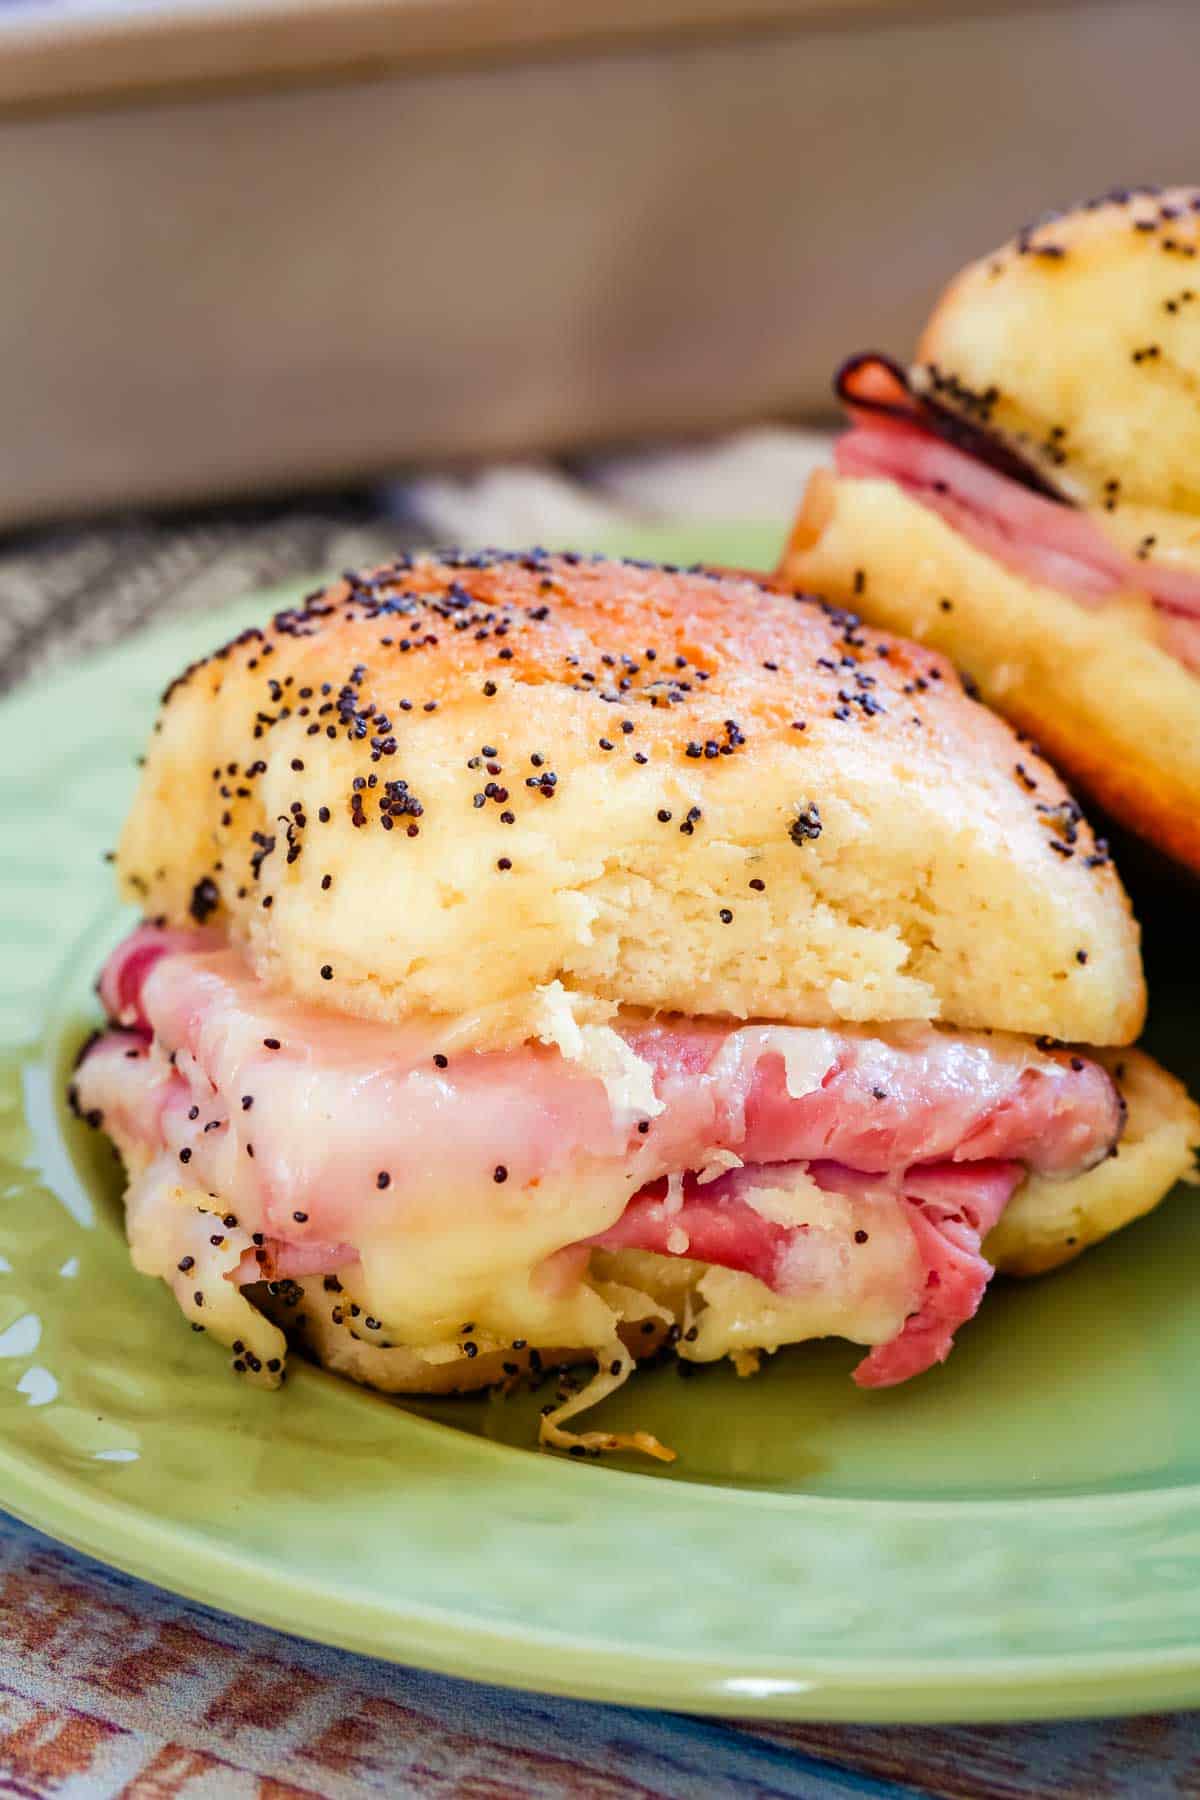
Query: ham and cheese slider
point(1026, 497)
point(553, 959)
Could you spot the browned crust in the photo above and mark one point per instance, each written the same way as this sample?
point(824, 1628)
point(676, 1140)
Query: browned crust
point(696, 644)
point(589, 622)
point(348, 746)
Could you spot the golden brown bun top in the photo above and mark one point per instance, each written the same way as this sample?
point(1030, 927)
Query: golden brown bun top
point(443, 787)
point(1080, 342)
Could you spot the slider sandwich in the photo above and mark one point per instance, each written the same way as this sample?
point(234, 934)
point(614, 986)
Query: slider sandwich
point(549, 960)
point(1026, 497)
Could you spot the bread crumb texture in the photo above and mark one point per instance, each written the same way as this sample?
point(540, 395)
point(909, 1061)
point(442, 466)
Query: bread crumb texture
point(442, 787)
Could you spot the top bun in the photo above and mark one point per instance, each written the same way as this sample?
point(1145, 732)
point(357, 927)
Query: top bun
point(1080, 342)
point(443, 787)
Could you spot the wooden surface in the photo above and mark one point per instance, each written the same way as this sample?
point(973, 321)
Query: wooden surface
point(264, 282)
point(111, 1688)
point(108, 1687)
point(65, 55)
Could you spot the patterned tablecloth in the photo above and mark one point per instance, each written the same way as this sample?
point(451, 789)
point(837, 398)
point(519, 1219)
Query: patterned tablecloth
point(111, 1687)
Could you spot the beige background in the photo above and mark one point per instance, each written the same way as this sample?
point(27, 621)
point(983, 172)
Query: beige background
point(210, 290)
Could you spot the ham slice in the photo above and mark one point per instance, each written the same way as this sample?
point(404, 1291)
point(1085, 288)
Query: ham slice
point(124, 975)
point(950, 1210)
point(322, 1134)
point(897, 436)
point(713, 1225)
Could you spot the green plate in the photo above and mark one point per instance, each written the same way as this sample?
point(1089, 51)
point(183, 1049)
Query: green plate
point(1015, 1534)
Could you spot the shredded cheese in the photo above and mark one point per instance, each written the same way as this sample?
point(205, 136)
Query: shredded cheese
point(614, 1367)
point(601, 1051)
point(716, 1163)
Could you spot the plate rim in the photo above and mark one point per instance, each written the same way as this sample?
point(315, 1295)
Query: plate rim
point(895, 1689)
point(1026, 1688)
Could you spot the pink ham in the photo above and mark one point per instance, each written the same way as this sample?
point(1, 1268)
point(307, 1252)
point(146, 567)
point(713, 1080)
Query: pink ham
point(719, 1226)
point(124, 974)
point(950, 1208)
point(313, 1127)
point(1042, 539)
point(920, 1095)
point(277, 1260)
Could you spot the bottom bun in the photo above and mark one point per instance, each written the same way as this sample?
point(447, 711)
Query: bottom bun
point(319, 1326)
point(1047, 1223)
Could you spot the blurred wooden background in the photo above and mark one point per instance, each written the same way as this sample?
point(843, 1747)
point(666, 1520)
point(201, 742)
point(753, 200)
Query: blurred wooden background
point(303, 241)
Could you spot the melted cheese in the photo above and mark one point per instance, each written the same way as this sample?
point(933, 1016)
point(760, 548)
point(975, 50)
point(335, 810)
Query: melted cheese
point(833, 1284)
point(715, 1163)
point(168, 1224)
point(808, 1053)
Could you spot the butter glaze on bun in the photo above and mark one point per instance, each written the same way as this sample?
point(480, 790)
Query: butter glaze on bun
point(1076, 348)
point(441, 789)
point(1092, 685)
point(1080, 341)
